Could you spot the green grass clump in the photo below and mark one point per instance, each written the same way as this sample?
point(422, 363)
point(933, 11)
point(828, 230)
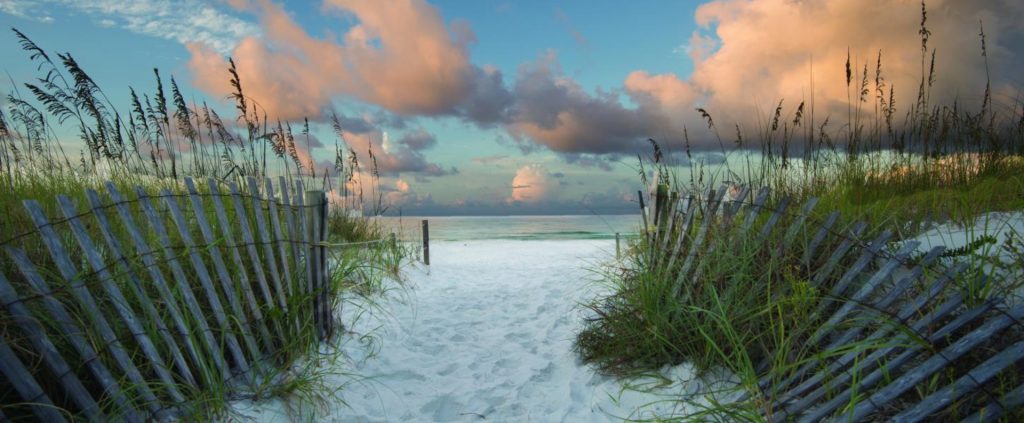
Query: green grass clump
point(155, 146)
point(750, 305)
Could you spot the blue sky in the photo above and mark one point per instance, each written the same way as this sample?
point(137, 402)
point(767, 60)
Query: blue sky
point(510, 107)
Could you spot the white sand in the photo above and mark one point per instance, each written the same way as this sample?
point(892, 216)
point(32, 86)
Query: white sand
point(486, 335)
point(1001, 225)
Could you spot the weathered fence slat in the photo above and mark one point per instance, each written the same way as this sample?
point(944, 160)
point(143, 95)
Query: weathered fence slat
point(74, 334)
point(866, 257)
point(839, 364)
point(293, 237)
point(823, 232)
point(798, 224)
point(305, 217)
point(254, 257)
point(268, 246)
point(313, 199)
point(871, 293)
point(965, 384)
point(282, 247)
point(934, 363)
point(1012, 400)
point(123, 349)
point(48, 351)
point(120, 302)
point(863, 383)
point(909, 310)
point(26, 385)
point(157, 279)
point(323, 265)
point(243, 276)
point(851, 333)
point(70, 273)
point(825, 271)
point(226, 281)
point(684, 229)
point(206, 282)
point(766, 229)
point(753, 210)
point(691, 253)
point(733, 205)
point(669, 214)
point(184, 290)
point(866, 289)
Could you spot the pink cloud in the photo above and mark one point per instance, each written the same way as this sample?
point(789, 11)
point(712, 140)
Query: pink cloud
point(400, 56)
point(532, 184)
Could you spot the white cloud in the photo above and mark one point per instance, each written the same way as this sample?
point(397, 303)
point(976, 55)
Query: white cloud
point(25, 9)
point(182, 21)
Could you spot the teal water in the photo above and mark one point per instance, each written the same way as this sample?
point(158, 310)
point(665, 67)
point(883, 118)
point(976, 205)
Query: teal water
point(459, 228)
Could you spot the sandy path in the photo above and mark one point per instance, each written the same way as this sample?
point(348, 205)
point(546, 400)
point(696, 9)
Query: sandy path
point(486, 335)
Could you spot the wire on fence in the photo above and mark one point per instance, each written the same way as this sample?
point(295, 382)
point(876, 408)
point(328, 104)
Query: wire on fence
point(877, 253)
point(106, 206)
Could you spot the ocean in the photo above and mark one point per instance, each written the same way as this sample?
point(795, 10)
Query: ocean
point(459, 228)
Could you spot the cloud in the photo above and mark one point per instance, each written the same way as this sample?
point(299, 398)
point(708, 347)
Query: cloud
point(399, 55)
point(185, 21)
point(737, 69)
point(567, 25)
point(393, 159)
point(401, 185)
point(556, 112)
point(531, 184)
point(26, 9)
point(402, 57)
point(750, 55)
point(490, 160)
point(418, 140)
point(488, 99)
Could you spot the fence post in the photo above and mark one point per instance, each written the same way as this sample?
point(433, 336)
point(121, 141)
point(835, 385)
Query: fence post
point(618, 255)
point(313, 215)
point(661, 205)
point(643, 210)
point(325, 276)
point(426, 243)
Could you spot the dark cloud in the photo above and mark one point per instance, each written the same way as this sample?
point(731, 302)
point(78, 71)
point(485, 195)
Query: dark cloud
point(417, 140)
point(404, 156)
point(489, 100)
point(353, 124)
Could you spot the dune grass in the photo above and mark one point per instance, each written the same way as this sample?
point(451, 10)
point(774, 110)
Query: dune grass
point(753, 307)
point(159, 142)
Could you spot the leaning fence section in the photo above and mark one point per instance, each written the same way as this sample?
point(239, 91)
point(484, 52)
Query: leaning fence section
point(127, 304)
point(912, 307)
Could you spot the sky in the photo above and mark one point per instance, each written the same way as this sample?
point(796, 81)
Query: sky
point(524, 107)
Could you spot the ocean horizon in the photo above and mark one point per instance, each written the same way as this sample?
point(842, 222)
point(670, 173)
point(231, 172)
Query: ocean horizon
point(516, 227)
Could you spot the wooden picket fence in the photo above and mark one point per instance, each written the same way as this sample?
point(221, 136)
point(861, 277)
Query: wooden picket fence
point(902, 300)
point(211, 302)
